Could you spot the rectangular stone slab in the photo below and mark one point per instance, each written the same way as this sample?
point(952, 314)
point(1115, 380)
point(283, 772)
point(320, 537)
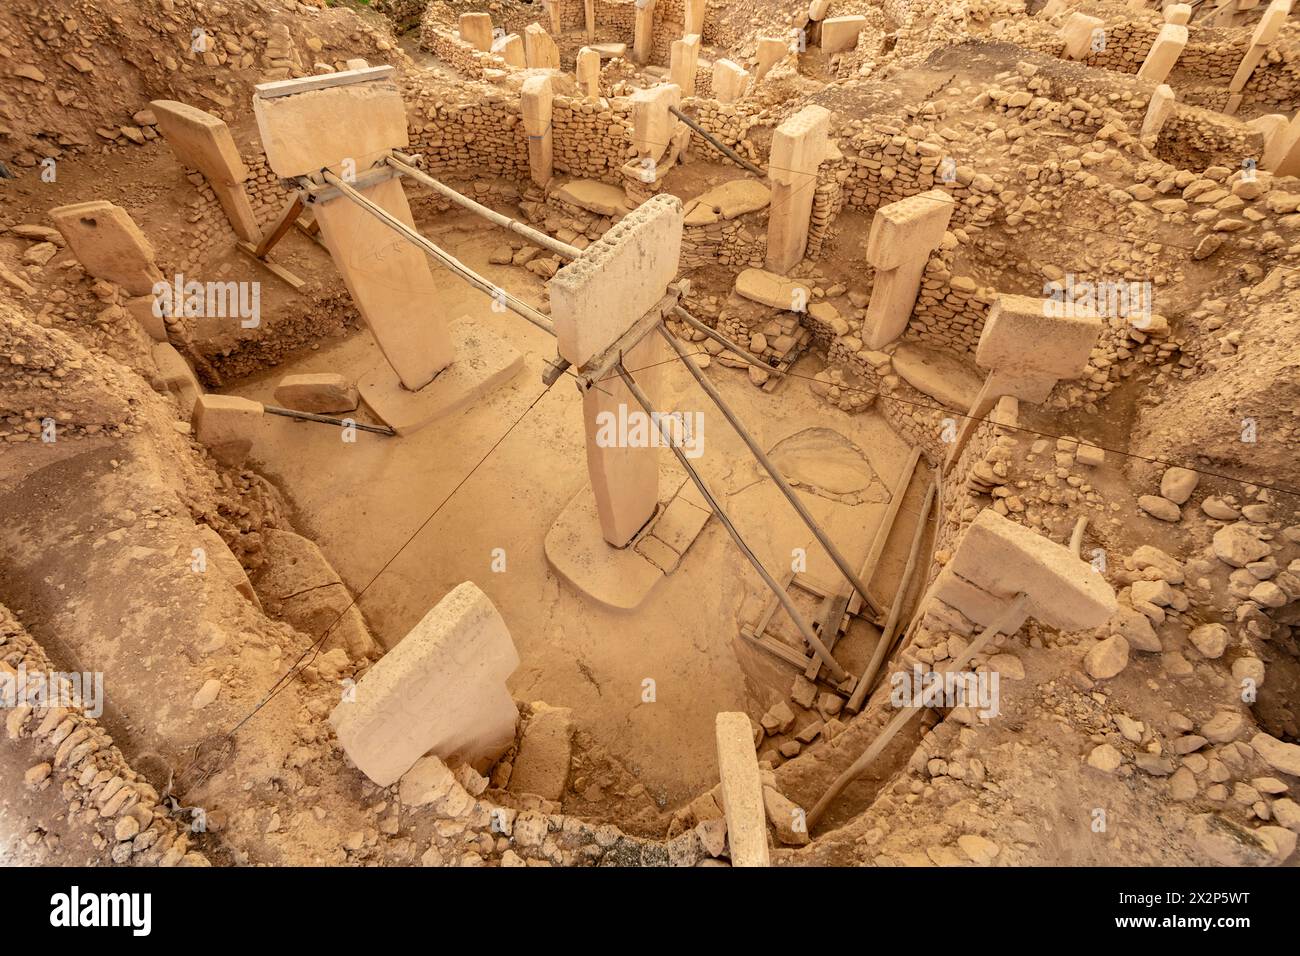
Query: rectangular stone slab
point(1020, 335)
point(617, 279)
point(108, 244)
point(841, 33)
point(742, 790)
point(200, 140)
point(1005, 558)
point(441, 690)
point(305, 132)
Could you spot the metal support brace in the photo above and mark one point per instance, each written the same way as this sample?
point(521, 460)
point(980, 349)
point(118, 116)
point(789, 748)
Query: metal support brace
point(820, 649)
point(761, 457)
point(1013, 615)
point(438, 254)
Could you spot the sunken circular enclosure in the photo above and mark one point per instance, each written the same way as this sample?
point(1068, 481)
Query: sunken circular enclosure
point(607, 433)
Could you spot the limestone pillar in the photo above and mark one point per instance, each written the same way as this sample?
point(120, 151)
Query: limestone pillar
point(441, 690)
point(1077, 32)
point(653, 126)
point(537, 98)
point(742, 790)
point(902, 236)
point(643, 35)
point(1278, 137)
point(730, 80)
point(108, 244)
point(1178, 14)
point(1164, 53)
point(695, 10)
point(1285, 151)
point(841, 33)
point(553, 12)
point(771, 50)
point(202, 141)
point(540, 50)
point(227, 425)
point(348, 128)
point(511, 49)
point(476, 30)
point(588, 71)
point(589, 11)
point(798, 147)
point(390, 282)
point(685, 62)
point(1030, 344)
point(594, 301)
point(1266, 32)
point(1158, 110)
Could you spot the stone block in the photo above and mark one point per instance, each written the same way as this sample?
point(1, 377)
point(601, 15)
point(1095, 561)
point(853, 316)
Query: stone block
point(227, 425)
point(322, 393)
point(441, 690)
point(1041, 336)
point(617, 279)
point(742, 790)
point(1005, 558)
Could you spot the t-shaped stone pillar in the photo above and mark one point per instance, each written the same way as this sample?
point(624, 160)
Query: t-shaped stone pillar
point(441, 690)
point(742, 790)
point(798, 147)
point(588, 71)
point(595, 300)
point(653, 125)
point(771, 50)
point(1030, 344)
point(346, 129)
point(685, 62)
point(589, 14)
point(1266, 32)
point(202, 141)
point(537, 99)
point(1164, 53)
point(1159, 110)
point(997, 559)
point(511, 49)
point(1077, 31)
point(476, 30)
point(539, 49)
point(730, 80)
point(695, 10)
point(643, 31)
point(841, 33)
point(902, 236)
point(108, 244)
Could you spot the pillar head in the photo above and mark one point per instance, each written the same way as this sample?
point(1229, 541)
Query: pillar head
point(799, 145)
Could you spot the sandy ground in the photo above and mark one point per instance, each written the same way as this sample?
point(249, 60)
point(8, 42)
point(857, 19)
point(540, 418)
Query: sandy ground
point(361, 501)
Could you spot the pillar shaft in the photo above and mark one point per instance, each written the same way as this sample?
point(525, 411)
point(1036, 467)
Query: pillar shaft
point(902, 236)
point(537, 98)
point(594, 301)
point(390, 282)
point(1164, 53)
point(643, 35)
point(798, 147)
point(685, 62)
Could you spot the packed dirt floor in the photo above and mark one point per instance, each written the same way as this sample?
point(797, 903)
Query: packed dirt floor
point(1003, 290)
